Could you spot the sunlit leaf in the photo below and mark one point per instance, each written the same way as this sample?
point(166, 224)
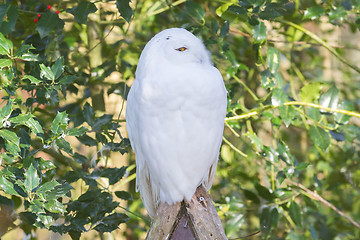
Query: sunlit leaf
point(58, 68)
point(330, 98)
point(259, 33)
point(319, 137)
point(46, 72)
point(7, 186)
point(59, 123)
point(54, 206)
point(278, 97)
point(77, 131)
point(5, 63)
point(32, 179)
point(273, 59)
point(314, 12)
point(310, 92)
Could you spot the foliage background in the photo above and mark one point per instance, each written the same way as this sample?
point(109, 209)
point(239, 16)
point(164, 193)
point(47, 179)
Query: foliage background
point(289, 166)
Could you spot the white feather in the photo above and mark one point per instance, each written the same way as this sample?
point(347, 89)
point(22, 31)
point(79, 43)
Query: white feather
point(175, 118)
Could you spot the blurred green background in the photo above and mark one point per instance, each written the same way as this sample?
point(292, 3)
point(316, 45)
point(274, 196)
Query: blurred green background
point(289, 163)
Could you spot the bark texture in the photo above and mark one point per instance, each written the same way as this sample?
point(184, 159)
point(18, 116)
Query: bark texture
point(194, 220)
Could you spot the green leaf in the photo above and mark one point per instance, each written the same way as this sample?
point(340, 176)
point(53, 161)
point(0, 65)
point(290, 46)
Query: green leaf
point(45, 219)
point(63, 144)
point(310, 92)
point(113, 174)
point(287, 114)
point(20, 119)
point(88, 141)
point(11, 17)
point(264, 192)
point(35, 127)
point(123, 195)
point(5, 63)
point(27, 120)
point(7, 186)
point(111, 222)
point(314, 12)
point(6, 110)
point(30, 57)
point(48, 186)
point(255, 140)
point(101, 121)
point(319, 137)
point(82, 10)
point(6, 46)
point(259, 33)
point(295, 213)
point(330, 99)
point(32, 79)
point(80, 158)
point(32, 179)
point(48, 22)
point(195, 10)
point(343, 118)
point(225, 29)
point(251, 196)
point(337, 15)
point(59, 123)
point(37, 206)
point(59, 191)
point(54, 206)
point(273, 59)
point(313, 113)
point(12, 141)
point(46, 72)
point(89, 114)
point(265, 221)
point(267, 79)
point(67, 80)
point(58, 68)
point(77, 131)
point(124, 9)
point(278, 97)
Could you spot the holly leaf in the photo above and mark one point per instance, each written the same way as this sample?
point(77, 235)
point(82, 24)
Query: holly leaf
point(124, 9)
point(259, 33)
point(82, 10)
point(48, 22)
point(32, 179)
point(319, 137)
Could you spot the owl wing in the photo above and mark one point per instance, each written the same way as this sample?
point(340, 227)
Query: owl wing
point(176, 132)
point(143, 183)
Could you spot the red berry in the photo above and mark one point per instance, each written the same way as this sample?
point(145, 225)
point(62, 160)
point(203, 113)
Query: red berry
point(39, 15)
point(48, 7)
point(57, 11)
point(35, 20)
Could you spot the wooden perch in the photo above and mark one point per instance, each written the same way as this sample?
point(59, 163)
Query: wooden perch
point(194, 220)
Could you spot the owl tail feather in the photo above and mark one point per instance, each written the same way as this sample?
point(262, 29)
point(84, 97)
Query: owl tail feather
point(143, 184)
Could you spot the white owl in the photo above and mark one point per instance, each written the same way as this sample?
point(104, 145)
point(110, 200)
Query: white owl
point(175, 118)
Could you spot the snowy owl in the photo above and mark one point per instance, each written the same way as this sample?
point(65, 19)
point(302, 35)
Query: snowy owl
point(175, 118)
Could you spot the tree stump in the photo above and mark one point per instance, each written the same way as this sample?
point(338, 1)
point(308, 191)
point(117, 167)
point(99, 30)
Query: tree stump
point(194, 220)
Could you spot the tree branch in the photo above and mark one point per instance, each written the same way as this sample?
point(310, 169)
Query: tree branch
point(258, 111)
point(321, 42)
point(317, 197)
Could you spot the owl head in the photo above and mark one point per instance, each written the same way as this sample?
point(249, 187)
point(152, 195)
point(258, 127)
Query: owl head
point(175, 46)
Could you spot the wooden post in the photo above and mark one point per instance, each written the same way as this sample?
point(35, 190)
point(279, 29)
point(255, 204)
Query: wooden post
point(194, 220)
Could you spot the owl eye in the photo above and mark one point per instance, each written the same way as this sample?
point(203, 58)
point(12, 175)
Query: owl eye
point(181, 49)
